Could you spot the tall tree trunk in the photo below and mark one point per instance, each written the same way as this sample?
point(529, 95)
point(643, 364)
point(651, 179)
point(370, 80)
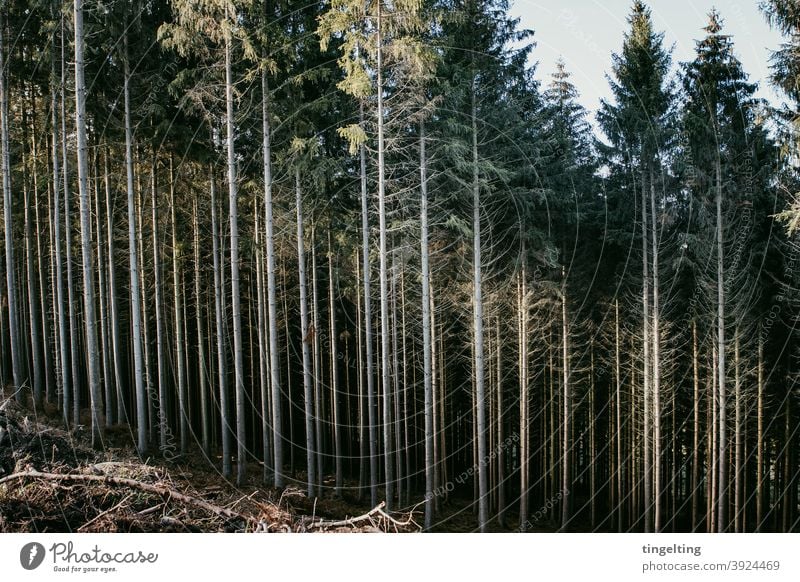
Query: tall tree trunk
point(618, 394)
point(760, 437)
point(238, 350)
point(427, 359)
point(30, 270)
point(177, 285)
point(334, 354)
point(64, 375)
point(739, 442)
point(222, 371)
point(113, 299)
point(317, 363)
point(695, 430)
point(368, 342)
point(656, 388)
point(165, 436)
point(263, 358)
point(722, 481)
point(306, 341)
point(646, 367)
point(202, 366)
point(384, 279)
point(566, 483)
point(477, 318)
point(89, 315)
point(11, 289)
point(272, 302)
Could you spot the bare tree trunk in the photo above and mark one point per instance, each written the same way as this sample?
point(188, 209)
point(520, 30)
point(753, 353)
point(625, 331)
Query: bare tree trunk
point(183, 414)
point(477, 319)
point(656, 370)
point(695, 430)
point(383, 277)
point(30, 270)
point(337, 428)
point(427, 359)
point(64, 376)
point(272, 302)
point(263, 363)
point(722, 482)
point(739, 443)
point(646, 368)
point(620, 474)
point(566, 483)
point(522, 334)
point(370, 374)
point(317, 363)
point(105, 346)
point(238, 350)
point(760, 438)
point(307, 339)
point(222, 372)
point(11, 289)
point(113, 300)
point(89, 315)
point(202, 366)
point(165, 444)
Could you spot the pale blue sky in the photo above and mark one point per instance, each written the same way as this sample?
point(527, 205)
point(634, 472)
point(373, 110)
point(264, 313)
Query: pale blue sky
point(586, 32)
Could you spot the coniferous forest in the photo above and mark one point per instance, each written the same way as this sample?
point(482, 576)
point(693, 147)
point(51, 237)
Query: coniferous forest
point(362, 251)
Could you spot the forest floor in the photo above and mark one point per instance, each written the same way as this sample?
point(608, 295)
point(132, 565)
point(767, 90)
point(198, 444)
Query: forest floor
point(51, 480)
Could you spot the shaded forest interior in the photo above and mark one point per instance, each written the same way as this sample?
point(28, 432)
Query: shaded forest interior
point(360, 248)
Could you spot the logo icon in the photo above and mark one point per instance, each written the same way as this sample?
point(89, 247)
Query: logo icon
point(31, 555)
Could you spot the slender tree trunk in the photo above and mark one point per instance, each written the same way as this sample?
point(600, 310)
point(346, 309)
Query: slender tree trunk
point(183, 414)
point(334, 354)
point(113, 299)
point(656, 371)
point(317, 363)
point(11, 289)
point(760, 439)
point(307, 340)
point(722, 501)
point(524, 469)
point(477, 318)
point(238, 350)
point(566, 483)
point(202, 366)
point(272, 302)
point(64, 375)
point(263, 357)
point(368, 342)
point(30, 269)
point(620, 473)
point(646, 367)
point(695, 431)
point(105, 344)
point(384, 279)
point(165, 436)
point(427, 359)
point(739, 442)
point(222, 371)
point(89, 315)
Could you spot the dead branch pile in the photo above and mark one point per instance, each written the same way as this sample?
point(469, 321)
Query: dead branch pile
point(51, 481)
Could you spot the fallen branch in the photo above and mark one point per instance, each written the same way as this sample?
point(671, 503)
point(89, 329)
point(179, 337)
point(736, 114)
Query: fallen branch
point(125, 482)
point(377, 511)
